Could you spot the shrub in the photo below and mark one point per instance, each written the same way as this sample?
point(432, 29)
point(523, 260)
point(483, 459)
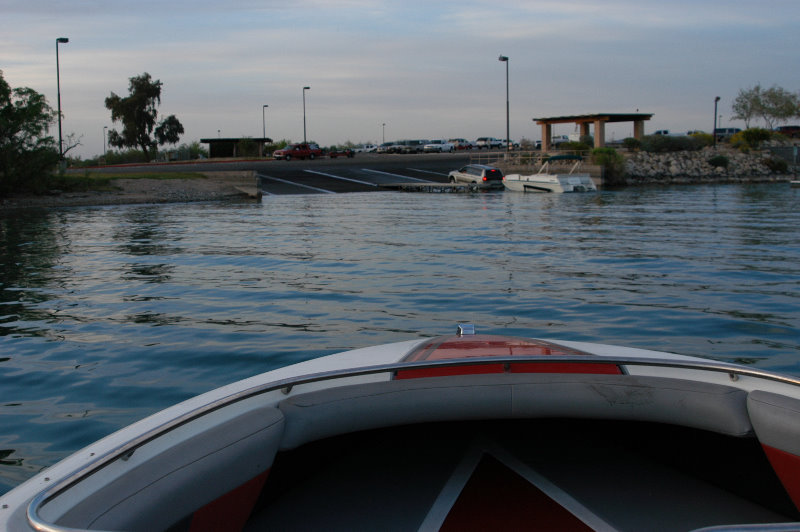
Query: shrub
point(778, 166)
point(704, 139)
point(612, 161)
point(666, 143)
point(80, 183)
point(573, 146)
point(632, 144)
point(719, 160)
point(750, 138)
point(124, 157)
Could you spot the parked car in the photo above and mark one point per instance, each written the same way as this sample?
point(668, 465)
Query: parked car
point(366, 148)
point(789, 131)
point(298, 151)
point(488, 143)
point(389, 147)
point(724, 133)
point(342, 152)
point(412, 146)
point(438, 146)
point(461, 144)
point(483, 175)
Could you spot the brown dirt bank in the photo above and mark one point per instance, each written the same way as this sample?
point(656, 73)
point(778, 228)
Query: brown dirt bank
point(214, 186)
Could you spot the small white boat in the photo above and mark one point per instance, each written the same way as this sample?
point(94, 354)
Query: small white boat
point(546, 181)
point(456, 432)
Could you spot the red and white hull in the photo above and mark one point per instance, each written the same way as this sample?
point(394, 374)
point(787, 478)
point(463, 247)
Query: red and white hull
point(449, 433)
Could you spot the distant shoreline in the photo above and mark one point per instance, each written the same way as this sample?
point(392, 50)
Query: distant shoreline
point(215, 186)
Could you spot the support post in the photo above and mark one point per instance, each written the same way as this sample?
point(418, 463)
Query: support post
point(547, 135)
point(638, 129)
point(599, 133)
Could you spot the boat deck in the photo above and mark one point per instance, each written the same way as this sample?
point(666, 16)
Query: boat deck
point(531, 474)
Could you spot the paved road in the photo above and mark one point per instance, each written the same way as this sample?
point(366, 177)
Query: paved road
point(362, 173)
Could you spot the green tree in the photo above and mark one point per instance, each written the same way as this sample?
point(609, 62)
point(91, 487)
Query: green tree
point(778, 106)
point(138, 115)
point(774, 105)
point(747, 105)
point(27, 154)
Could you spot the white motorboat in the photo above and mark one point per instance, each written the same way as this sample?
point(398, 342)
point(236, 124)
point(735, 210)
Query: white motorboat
point(546, 180)
point(460, 432)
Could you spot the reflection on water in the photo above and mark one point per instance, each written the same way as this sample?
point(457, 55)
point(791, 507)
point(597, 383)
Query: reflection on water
point(111, 313)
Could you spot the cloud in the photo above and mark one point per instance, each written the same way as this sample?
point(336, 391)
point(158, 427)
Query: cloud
point(427, 69)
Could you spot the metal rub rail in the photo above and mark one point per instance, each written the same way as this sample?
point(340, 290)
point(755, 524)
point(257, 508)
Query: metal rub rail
point(43, 497)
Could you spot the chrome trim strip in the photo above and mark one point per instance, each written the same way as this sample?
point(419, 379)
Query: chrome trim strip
point(101, 461)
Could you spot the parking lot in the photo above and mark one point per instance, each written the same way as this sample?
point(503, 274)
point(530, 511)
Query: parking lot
point(363, 173)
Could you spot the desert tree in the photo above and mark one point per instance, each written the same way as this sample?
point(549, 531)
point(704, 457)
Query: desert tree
point(28, 155)
point(138, 115)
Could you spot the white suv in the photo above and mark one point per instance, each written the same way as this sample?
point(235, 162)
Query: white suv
point(480, 174)
point(438, 146)
point(488, 143)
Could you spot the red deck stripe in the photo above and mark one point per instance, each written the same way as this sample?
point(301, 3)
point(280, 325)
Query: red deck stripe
point(231, 511)
point(787, 467)
point(497, 498)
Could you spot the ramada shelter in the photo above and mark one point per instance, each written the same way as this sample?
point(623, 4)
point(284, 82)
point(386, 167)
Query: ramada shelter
point(599, 121)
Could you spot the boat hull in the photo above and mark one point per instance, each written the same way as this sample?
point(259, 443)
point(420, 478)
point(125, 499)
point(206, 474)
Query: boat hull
point(549, 183)
point(424, 432)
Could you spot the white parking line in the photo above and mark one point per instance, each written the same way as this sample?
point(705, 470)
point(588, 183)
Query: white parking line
point(342, 178)
point(396, 175)
point(296, 184)
point(427, 172)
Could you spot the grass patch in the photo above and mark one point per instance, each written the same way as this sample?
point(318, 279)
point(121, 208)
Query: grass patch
point(145, 175)
point(101, 181)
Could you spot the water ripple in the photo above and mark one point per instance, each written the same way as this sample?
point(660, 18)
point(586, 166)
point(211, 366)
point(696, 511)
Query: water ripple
point(108, 314)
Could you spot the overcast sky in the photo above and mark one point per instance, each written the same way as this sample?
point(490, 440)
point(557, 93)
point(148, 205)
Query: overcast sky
point(425, 69)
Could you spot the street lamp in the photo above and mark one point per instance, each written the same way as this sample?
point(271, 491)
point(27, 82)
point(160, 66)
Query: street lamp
point(504, 59)
point(60, 40)
point(383, 133)
point(105, 136)
point(714, 131)
point(263, 130)
point(304, 113)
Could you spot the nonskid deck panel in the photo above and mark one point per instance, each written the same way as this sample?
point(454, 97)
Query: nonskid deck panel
point(634, 476)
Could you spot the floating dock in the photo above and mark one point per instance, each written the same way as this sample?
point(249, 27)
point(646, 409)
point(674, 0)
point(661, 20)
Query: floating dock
point(438, 188)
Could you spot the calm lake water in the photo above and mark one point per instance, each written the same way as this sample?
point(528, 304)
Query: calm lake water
point(108, 314)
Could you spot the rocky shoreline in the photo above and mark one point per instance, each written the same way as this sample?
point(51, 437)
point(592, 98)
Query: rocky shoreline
point(694, 167)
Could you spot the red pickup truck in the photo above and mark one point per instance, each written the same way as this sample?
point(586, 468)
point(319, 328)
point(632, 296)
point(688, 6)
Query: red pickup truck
point(298, 151)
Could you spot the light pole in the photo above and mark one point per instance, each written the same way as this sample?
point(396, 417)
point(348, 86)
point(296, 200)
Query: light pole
point(105, 136)
point(60, 40)
point(504, 59)
point(304, 113)
point(383, 133)
point(263, 129)
point(714, 131)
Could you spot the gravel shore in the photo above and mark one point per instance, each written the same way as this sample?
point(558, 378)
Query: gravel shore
point(214, 186)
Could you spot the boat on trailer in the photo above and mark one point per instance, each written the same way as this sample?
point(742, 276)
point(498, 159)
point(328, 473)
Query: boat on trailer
point(546, 180)
point(456, 432)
